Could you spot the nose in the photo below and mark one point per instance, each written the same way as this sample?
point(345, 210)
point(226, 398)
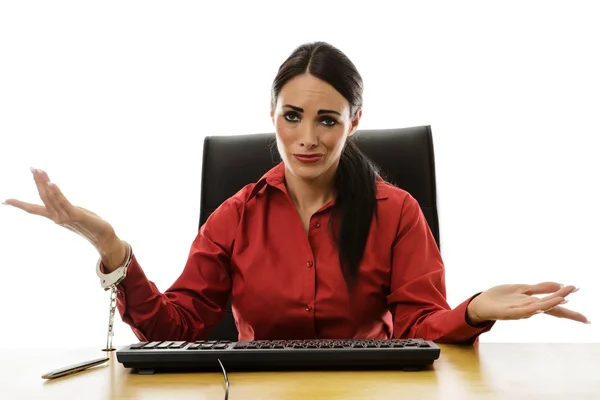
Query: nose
point(308, 137)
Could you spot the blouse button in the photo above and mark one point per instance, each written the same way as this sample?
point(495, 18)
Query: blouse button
point(316, 225)
point(309, 264)
point(308, 307)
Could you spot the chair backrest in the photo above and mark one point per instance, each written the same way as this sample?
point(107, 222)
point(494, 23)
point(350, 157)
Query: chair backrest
point(405, 157)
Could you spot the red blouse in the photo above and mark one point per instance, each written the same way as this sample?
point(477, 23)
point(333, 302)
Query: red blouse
point(287, 284)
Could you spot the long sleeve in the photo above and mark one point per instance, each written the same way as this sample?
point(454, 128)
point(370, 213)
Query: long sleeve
point(196, 301)
point(418, 291)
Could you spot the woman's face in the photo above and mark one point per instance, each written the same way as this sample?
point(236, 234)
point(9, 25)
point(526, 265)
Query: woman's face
point(312, 122)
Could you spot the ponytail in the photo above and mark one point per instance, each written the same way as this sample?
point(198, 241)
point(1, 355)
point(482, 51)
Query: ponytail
point(355, 186)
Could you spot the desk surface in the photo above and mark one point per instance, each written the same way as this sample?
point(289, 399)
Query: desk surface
point(484, 371)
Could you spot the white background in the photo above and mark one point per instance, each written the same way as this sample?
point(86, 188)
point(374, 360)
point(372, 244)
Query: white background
point(114, 99)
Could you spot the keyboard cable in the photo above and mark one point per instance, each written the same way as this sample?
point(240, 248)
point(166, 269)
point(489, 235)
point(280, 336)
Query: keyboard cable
point(226, 379)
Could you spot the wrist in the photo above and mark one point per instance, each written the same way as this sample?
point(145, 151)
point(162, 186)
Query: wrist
point(112, 254)
point(472, 316)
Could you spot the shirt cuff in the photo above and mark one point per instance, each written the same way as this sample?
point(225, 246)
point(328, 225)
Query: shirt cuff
point(135, 280)
point(468, 329)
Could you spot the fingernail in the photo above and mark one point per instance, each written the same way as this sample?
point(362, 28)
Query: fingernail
point(564, 302)
point(561, 285)
point(576, 289)
point(587, 322)
point(5, 203)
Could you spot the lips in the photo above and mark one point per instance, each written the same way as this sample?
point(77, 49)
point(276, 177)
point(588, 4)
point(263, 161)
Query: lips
point(308, 158)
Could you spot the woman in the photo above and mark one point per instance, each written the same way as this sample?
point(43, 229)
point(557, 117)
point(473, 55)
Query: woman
point(321, 246)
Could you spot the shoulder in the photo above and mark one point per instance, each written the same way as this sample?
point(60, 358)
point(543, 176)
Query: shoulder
point(239, 200)
point(233, 206)
point(222, 224)
point(397, 205)
point(391, 196)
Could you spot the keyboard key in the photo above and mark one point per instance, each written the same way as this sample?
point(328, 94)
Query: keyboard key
point(138, 345)
point(163, 345)
point(151, 345)
point(177, 345)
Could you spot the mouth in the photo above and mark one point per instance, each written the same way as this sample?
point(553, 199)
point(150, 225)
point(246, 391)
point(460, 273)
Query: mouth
point(308, 158)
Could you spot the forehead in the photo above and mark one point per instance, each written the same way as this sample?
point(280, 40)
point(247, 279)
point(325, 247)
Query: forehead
point(311, 93)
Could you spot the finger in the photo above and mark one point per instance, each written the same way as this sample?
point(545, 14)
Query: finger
point(564, 292)
point(64, 207)
point(55, 198)
point(28, 207)
point(534, 308)
point(561, 312)
point(541, 288)
point(41, 181)
point(528, 300)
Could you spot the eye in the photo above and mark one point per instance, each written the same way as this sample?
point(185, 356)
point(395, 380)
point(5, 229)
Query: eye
point(291, 117)
point(328, 121)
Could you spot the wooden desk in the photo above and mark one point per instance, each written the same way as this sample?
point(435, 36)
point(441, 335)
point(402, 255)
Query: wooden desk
point(485, 371)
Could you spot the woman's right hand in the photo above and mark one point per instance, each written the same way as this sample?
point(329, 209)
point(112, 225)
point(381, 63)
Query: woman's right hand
point(77, 219)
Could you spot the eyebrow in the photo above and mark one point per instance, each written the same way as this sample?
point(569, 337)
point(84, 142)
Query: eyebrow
point(318, 112)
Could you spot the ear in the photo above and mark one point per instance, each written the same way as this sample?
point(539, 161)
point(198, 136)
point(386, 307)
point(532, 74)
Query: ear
point(355, 121)
point(272, 113)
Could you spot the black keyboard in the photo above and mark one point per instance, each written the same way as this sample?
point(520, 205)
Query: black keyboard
point(265, 355)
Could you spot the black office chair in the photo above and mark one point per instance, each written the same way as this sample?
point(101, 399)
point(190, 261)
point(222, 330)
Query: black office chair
point(405, 157)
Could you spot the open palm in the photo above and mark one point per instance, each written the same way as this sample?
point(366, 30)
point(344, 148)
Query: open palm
point(59, 210)
point(518, 301)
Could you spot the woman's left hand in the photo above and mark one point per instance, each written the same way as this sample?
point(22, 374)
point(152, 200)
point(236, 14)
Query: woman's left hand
point(519, 301)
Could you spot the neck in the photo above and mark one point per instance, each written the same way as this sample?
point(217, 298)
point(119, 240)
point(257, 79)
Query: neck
point(310, 195)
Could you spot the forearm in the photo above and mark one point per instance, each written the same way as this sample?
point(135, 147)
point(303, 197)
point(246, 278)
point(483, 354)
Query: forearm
point(183, 312)
point(441, 325)
point(196, 301)
point(154, 315)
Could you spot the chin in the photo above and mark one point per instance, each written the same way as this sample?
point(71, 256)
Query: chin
point(307, 171)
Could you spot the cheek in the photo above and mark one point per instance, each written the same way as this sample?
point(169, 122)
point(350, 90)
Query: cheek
point(284, 137)
point(335, 143)
point(280, 127)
